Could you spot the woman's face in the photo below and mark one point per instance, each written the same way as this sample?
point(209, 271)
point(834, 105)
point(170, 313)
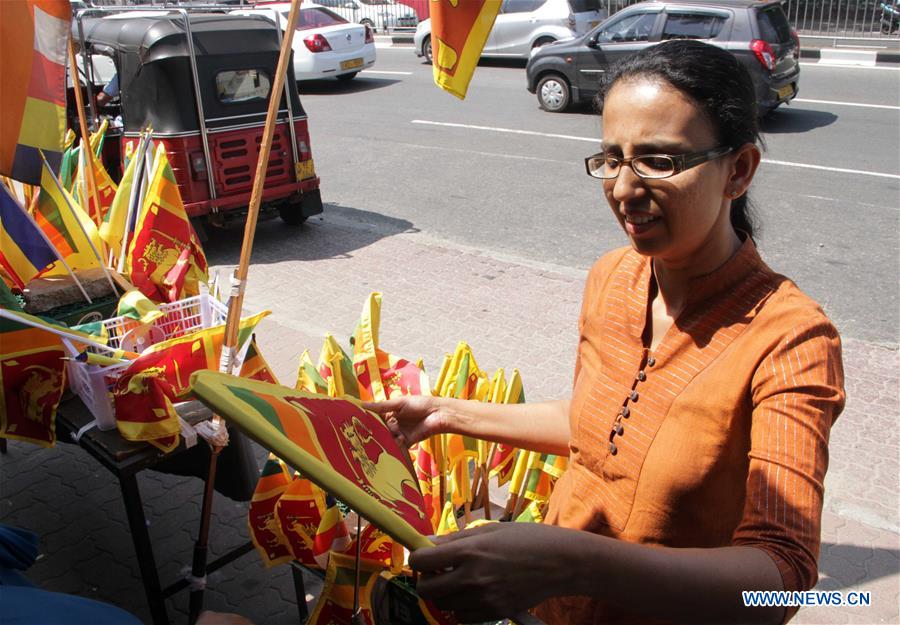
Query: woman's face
point(681, 220)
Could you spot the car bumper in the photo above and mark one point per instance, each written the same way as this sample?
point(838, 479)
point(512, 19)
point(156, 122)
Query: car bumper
point(326, 65)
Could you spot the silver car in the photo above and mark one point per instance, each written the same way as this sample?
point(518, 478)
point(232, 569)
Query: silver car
point(523, 25)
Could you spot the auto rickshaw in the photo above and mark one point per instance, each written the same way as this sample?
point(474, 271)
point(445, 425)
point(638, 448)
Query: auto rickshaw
point(201, 81)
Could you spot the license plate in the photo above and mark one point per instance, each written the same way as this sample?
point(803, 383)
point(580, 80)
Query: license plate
point(351, 64)
point(305, 169)
point(785, 92)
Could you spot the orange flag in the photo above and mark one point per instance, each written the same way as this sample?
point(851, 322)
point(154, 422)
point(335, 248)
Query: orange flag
point(459, 30)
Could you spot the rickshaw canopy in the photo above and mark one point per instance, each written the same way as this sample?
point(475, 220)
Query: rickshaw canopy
point(236, 57)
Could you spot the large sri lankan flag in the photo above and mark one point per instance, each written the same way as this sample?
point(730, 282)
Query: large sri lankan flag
point(33, 39)
point(459, 30)
point(335, 443)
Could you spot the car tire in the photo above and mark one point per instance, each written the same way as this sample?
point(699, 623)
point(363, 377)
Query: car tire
point(542, 41)
point(426, 50)
point(367, 22)
point(554, 93)
point(349, 76)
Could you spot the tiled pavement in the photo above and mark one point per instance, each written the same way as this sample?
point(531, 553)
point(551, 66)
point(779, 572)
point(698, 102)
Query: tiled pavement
point(514, 314)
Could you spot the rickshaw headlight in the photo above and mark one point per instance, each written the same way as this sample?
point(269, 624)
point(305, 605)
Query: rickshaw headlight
point(198, 165)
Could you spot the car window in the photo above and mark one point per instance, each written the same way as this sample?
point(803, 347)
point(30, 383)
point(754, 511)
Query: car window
point(692, 26)
point(773, 25)
point(517, 6)
point(242, 85)
point(329, 3)
point(316, 17)
point(636, 27)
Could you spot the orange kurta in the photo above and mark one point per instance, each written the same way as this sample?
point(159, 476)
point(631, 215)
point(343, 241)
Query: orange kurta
point(722, 430)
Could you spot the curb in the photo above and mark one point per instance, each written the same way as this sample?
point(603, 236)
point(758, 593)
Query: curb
point(889, 57)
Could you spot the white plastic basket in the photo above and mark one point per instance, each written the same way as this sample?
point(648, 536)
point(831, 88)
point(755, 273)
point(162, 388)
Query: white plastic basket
point(93, 383)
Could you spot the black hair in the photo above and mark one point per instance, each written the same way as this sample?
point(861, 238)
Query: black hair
point(716, 81)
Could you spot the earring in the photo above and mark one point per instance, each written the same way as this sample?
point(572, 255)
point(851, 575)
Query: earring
point(733, 194)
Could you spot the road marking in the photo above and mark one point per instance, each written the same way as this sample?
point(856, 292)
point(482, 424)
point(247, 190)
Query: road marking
point(844, 66)
point(836, 169)
point(871, 106)
point(378, 71)
point(533, 133)
point(507, 130)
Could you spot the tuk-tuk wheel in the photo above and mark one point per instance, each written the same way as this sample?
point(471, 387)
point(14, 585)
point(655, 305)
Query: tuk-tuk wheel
point(291, 214)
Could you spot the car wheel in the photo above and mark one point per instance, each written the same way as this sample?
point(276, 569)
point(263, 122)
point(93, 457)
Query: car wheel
point(554, 93)
point(367, 22)
point(542, 41)
point(349, 76)
point(426, 50)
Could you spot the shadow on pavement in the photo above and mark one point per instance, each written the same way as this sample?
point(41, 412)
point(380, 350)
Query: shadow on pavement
point(796, 120)
point(865, 563)
point(333, 86)
point(335, 234)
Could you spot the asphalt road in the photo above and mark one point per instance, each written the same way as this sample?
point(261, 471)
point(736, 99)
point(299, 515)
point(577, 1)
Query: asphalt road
point(497, 174)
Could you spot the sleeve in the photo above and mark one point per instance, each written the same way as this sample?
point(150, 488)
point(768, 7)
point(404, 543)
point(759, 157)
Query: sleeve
point(112, 87)
point(797, 393)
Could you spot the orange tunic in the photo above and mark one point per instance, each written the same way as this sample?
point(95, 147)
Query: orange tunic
point(719, 437)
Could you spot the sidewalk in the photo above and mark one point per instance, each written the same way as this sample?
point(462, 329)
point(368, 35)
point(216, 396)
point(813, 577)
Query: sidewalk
point(514, 314)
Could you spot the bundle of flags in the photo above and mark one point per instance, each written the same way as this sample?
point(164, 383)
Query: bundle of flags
point(293, 519)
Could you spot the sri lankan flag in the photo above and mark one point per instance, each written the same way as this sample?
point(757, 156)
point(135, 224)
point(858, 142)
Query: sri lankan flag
point(262, 520)
point(299, 512)
point(335, 605)
point(308, 377)
point(379, 374)
point(66, 225)
point(32, 379)
point(336, 367)
point(332, 534)
point(33, 39)
point(144, 393)
point(106, 188)
point(163, 238)
point(502, 461)
point(459, 29)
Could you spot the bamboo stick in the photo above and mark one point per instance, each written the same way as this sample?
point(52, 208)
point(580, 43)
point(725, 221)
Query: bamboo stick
point(85, 141)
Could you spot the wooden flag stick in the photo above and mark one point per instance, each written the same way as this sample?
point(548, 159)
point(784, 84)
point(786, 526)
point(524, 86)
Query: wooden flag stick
point(236, 301)
point(85, 141)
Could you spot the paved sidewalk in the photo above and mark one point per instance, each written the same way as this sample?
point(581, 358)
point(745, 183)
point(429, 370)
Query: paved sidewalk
point(514, 314)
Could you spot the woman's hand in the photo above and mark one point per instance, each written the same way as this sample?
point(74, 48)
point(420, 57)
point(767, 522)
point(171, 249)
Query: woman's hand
point(494, 571)
point(410, 418)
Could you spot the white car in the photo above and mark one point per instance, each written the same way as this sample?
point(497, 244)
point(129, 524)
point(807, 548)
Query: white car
point(525, 25)
point(325, 44)
point(379, 14)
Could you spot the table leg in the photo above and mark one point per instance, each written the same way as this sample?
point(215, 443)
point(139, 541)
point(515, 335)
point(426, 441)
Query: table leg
point(143, 548)
point(300, 590)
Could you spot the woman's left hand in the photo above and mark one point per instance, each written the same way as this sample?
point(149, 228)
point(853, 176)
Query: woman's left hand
point(493, 571)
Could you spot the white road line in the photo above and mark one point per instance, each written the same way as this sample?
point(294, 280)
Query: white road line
point(378, 71)
point(836, 169)
point(533, 133)
point(507, 130)
point(871, 106)
point(844, 66)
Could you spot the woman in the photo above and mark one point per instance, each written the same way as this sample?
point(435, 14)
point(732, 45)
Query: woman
point(705, 389)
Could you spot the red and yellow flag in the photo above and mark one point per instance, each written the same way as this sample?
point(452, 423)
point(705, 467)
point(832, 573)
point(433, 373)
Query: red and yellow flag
point(34, 35)
point(163, 237)
point(459, 30)
point(262, 520)
point(335, 605)
point(332, 533)
point(145, 392)
point(299, 513)
point(381, 375)
point(32, 379)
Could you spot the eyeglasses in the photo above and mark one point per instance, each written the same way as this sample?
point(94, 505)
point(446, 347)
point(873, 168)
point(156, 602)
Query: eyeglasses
point(649, 166)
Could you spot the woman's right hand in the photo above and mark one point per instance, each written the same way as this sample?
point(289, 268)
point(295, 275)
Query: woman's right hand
point(411, 418)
